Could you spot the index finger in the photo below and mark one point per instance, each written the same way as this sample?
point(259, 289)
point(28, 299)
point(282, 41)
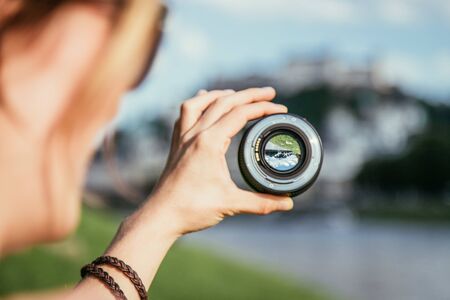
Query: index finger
point(192, 109)
point(230, 124)
point(225, 104)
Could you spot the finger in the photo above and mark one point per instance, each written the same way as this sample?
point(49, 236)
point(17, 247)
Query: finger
point(173, 147)
point(175, 138)
point(192, 109)
point(202, 92)
point(225, 104)
point(230, 124)
point(261, 204)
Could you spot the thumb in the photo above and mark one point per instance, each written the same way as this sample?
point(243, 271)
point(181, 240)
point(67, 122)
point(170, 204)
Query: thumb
point(261, 204)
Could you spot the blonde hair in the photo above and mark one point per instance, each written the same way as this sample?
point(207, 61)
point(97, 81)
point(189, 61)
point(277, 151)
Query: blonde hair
point(135, 34)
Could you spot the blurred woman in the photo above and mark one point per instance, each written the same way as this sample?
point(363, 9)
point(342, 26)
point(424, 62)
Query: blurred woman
point(64, 66)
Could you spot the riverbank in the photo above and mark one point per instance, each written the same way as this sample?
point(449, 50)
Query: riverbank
point(422, 214)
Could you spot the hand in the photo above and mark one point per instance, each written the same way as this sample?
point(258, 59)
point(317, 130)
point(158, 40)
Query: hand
point(196, 191)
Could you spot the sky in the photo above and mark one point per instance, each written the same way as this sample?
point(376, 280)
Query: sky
point(207, 39)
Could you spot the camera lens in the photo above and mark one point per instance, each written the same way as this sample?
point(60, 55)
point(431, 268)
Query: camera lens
point(280, 154)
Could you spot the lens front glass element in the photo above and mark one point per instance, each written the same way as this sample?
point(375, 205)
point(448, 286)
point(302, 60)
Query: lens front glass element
point(282, 152)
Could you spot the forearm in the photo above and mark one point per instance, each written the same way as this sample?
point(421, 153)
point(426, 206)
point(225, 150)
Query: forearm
point(141, 247)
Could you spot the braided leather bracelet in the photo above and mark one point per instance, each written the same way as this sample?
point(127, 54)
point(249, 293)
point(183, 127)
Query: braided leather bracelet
point(126, 270)
point(102, 275)
point(121, 266)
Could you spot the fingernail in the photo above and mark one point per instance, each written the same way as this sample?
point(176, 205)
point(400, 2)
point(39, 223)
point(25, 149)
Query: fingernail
point(268, 88)
point(289, 204)
point(230, 91)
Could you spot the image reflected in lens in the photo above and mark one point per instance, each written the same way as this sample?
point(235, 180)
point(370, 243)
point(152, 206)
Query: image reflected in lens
point(282, 152)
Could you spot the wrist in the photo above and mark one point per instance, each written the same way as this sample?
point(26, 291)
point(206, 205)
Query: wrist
point(147, 225)
point(142, 241)
point(155, 218)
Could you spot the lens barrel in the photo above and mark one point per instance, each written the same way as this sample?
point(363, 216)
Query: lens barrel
point(280, 154)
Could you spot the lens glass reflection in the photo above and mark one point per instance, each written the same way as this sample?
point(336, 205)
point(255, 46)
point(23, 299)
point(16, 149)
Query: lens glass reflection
point(282, 152)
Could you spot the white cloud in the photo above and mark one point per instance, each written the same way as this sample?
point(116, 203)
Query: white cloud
point(330, 11)
point(441, 64)
point(400, 12)
point(192, 43)
point(394, 12)
point(442, 7)
point(428, 74)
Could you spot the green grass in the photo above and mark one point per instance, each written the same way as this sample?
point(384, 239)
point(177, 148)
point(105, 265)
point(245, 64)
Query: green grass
point(186, 273)
point(286, 142)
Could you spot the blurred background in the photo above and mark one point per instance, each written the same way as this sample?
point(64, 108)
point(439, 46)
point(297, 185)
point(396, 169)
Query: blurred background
point(372, 76)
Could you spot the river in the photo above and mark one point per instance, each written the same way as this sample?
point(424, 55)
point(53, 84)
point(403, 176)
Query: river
point(361, 260)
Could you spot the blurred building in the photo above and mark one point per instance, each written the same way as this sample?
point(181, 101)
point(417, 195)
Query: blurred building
point(303, 72)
